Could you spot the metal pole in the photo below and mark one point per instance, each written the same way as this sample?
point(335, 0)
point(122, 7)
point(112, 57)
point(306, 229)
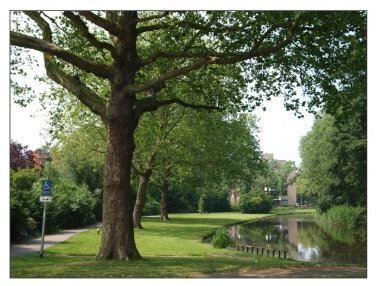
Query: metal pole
point(43, 231)
point(49, 163)
point(44, 218)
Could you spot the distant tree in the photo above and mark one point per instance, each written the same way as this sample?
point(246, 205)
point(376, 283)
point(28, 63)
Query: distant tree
point(276, 177)
point(318, 153)
point(333, 167)
point(210, 152)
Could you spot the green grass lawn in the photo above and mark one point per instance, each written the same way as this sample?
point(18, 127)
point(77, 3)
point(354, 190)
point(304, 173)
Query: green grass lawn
point(292, 210)
point(170, 249)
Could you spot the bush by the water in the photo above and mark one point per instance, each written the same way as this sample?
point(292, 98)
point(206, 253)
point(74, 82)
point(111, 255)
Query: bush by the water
point(214, 202)
point(255, 203)
point(221, 238)
point(344, 217)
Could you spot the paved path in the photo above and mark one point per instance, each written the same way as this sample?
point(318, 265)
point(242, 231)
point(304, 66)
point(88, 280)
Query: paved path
point(33, 245)
point(296, 272)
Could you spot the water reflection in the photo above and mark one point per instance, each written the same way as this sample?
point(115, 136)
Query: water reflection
point(303, 238)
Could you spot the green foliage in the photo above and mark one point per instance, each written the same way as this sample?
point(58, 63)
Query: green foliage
point(23, 222)
point(201, 204)
point(151, 207)
point(255, 202)
point(344, 217)
point(79, 157)
point(221, 238)
point(318, 153)
point(334, 163)
point(72, 205)
point(333, 167)
point(214, 201)
point(275, 176)
point(345, 223)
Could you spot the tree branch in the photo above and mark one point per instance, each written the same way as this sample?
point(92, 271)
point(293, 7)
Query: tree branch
point(172, 74)
point(224, 58)
point(108, 25)
point(78, 23)
point(152, 104)
point(54, 22)
point(21, 40)
point(72, 84)
point(87, 96)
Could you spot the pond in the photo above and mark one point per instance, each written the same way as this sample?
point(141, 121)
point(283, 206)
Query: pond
point(304, 239)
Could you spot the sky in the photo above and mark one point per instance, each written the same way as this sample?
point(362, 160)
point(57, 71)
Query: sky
point(281, 131)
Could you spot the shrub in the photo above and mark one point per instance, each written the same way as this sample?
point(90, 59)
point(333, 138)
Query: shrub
point(255, 203)
point(151, 207)
point(201, 204)
point(221, 238)
point(344, 217)
point(344, 223)
point(21, 201)
point(71, 206)
point(214, 202)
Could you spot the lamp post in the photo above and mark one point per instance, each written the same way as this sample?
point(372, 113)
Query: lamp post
point(46, 157)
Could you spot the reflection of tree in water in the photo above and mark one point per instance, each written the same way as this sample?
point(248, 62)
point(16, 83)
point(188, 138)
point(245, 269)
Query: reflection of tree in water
point(304, 239)
point(269, 234)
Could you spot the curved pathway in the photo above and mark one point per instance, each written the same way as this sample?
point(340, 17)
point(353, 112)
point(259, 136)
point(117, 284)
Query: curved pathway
point(33, 245)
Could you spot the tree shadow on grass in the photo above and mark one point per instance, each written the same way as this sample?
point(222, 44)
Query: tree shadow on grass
point(149, 267)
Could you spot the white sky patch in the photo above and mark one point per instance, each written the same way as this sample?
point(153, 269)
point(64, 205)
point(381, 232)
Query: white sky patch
point(28, 124)
point(281, 130)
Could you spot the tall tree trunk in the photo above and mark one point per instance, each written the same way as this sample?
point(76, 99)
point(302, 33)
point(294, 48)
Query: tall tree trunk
point(140, 198)
point(118, 232)
point(164, 203)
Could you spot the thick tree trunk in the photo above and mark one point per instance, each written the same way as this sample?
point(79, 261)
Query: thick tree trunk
point(140, 198)
point(164, 204)
point(118, 232)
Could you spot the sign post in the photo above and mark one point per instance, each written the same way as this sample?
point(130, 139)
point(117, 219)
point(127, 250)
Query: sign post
point(46, 191)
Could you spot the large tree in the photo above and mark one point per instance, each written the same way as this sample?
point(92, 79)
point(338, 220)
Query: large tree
point(137, 55)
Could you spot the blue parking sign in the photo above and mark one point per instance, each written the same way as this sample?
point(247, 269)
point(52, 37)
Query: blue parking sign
point(46, 188)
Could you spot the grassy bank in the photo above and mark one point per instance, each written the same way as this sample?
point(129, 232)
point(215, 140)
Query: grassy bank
point(170, 249)
point(292, 210)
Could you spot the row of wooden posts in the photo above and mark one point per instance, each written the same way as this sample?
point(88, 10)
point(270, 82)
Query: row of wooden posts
point(261, 250)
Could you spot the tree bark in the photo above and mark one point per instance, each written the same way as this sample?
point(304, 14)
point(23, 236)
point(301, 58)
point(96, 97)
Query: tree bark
point(118, 232)
point(140, 198)
point(164, 204)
